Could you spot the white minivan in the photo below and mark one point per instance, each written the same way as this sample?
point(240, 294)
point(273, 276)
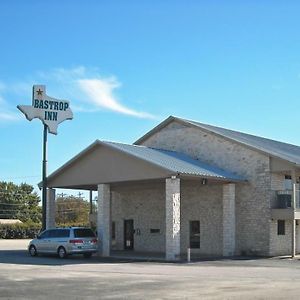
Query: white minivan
point(64, 242)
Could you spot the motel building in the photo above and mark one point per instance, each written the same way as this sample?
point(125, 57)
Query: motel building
point(186, 185)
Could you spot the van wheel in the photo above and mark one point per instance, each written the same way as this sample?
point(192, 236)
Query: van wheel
point(87, 255)
point(32, 251)
point(61, 252)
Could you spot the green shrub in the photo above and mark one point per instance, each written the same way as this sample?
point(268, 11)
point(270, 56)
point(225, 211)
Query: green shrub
point(19, 231)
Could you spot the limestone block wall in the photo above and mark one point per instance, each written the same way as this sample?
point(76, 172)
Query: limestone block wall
point(279, 244)
point(202, 203)
point(229, 219)
point(50, 209)
point(173, 218)
point(253, 198)
point(144, 204)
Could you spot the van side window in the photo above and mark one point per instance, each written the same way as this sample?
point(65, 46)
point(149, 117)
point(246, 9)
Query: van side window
point(45, 234)
point(53, 233)
point(64, 233)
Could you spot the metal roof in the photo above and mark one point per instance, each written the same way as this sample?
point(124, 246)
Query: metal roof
point(175, 162)
point(273, 148)
point(278, 149)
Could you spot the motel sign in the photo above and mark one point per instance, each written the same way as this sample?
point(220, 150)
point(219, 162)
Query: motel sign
point(49, 110)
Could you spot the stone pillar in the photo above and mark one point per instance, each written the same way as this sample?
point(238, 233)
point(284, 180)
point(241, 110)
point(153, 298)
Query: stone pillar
point(172, 218)
point(104, 219)
point(50, 209)
point(228, 219)
point(294, 206)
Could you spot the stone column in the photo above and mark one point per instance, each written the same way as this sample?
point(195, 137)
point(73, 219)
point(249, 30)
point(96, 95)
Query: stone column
point(104, 219)
point(50, 209)
point(172, 218)
point(294, 206)
point(228, 219)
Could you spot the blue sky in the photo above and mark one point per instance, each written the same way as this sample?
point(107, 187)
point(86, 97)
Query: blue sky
point(127, 65)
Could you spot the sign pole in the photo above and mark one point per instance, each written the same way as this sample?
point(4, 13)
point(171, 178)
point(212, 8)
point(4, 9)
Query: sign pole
point(44, 171)
point(51, 112)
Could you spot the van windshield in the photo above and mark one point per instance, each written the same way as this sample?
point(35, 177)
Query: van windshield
point(83, 232)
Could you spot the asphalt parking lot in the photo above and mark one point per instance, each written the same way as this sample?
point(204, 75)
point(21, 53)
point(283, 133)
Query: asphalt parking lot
point(25, 277)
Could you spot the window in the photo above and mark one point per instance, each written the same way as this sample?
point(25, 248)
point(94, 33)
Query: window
point(83, 232)
point(194, 234)
point(45, 234)
point(113, 230)
point(288, 183)
point(280, 227)
point(53, 233)
point(58, 233)
point(63, 233)
point(154, 230)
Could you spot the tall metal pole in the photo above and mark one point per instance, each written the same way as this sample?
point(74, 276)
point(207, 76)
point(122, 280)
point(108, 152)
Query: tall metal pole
point(91, 201)
point(293, 220)
point(44, 194)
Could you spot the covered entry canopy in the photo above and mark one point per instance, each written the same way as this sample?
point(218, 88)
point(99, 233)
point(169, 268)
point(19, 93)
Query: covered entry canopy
point(110, 162)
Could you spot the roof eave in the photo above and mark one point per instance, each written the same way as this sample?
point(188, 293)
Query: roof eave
point(69, 162)
point(155, 129)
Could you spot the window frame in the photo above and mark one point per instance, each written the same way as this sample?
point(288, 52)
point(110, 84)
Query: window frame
point(280, 227)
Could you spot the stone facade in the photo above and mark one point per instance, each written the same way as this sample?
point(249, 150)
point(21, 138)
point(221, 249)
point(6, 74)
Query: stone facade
point(202, 203)
point(253, 215)
point(146, 205)
point(50, 209)
point(104, 219)
point(173, 222)
point(281, 244)
point(234, 218)
point(228, 219)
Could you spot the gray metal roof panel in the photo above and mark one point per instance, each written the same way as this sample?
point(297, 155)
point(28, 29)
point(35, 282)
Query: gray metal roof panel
point(175, 162)
point(282, 150)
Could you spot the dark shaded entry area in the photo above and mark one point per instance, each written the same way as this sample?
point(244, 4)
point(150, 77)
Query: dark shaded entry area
point(128, 234)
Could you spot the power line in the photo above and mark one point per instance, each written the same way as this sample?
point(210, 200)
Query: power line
point(20, 177)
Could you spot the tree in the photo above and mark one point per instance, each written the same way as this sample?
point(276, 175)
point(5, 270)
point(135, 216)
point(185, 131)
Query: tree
point(71, 211)
point(19, 202)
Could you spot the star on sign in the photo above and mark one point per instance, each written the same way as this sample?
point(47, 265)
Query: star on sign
point(39, 92)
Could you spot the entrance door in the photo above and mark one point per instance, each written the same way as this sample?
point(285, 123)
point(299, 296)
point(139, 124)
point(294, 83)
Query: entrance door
point(128, 234)
point(195, 234)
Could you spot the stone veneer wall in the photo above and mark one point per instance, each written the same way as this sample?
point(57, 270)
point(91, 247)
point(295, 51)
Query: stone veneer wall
point(279, 244)
point(145, 204)
point(252, 198)
point(202, 203)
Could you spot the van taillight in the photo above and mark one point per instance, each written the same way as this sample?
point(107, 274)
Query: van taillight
point(76, 241)
point(94, 241)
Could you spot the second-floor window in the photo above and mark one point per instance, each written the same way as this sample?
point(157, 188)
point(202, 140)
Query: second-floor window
point(288, 184)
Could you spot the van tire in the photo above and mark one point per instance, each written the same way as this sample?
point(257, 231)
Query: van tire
point(61, 252)
point(32, 251)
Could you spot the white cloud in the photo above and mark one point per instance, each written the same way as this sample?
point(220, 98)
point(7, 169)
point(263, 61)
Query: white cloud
point(100, 93)
point(79, 85)
point(86, 86)
point(6, 111)
point(8, 116)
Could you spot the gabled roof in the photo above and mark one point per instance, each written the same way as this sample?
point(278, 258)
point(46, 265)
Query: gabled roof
point(274, 148)
point(169, 162)
point(175, 162)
